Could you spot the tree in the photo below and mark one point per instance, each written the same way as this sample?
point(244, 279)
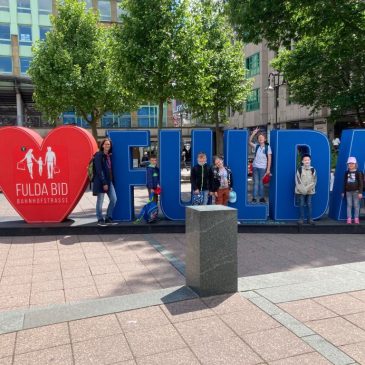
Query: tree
point(225, 67)
point(158, 51)
point(71, 68)
point(321, 46)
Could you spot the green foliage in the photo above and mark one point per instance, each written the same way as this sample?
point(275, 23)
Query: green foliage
point(224, 68)
point(321, 47)
point(71, 68)
point(158, 51)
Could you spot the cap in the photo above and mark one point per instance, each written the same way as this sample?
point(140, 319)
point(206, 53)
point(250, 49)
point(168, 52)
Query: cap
point(351, 160)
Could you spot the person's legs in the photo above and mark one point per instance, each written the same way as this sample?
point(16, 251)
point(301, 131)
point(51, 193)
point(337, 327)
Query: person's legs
point(356, 201)
point(99, 206)
point(219, 198)
point(309, 208)
point(255, 176)
point(301, 207)
point(225, 196)
point(261, 184)
point(112, 201)
point(205, 196)
point(349, 206)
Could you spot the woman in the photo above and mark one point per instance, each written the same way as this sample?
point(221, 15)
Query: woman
point(103, 182)
point(220, 181)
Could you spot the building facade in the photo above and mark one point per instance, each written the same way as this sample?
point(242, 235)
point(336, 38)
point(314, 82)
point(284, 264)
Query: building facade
point(269, 106)
point(22, 22)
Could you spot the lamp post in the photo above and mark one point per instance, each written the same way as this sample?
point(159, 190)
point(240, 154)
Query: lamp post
point(275, 80)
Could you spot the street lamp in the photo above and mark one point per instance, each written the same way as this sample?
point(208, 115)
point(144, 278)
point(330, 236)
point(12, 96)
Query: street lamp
point(275, 80)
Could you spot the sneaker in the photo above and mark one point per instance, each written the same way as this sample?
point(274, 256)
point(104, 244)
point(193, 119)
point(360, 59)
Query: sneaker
point(311, 221)
point(110, 221)
point(262, 200)
point(348, 220)
point(300, 221)
point(357, 221)
point(254, 200)
point(101, 222)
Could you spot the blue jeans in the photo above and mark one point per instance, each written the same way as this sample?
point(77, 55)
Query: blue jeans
point(112, 201)
point(352, 199)
point(305, 201)
point(258, 185)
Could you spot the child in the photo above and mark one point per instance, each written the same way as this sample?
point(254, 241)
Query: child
point(220, 181)
point(261, 165)
point(153, 177)
point(199, 178)
point(305, 187)
point(353, 185)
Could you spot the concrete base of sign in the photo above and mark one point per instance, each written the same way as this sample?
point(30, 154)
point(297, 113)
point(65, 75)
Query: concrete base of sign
point(211, 252)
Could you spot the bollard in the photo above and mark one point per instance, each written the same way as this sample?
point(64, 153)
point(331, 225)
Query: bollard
point(211, 255)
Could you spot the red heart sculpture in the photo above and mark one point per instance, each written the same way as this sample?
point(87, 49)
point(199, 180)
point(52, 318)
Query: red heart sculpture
point(44, 179)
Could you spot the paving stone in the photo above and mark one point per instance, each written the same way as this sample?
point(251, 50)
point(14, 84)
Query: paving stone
point(18, 270)
point(186, 310)
point(275, 344)
point(342, 304)
point(338, 331)
point(139, 319)
point(252, 320)
point(293, 324)
point(114, 290)
point(359, 295)
point(266, 305)
point(60, 355)
point(103, 269)
point(176, 357)
point(357, 319)
point(14, 301)
point(305, 359)
point(70, 283)
point(204, 330)
point(356, 351)
point(47, 286)
point(79, 294)
point(77, 273)
point(6, 360)
point(46, 276)
point(47, 298)
point(232, 351)
point(105, 350)
point(149, 342)
point(227, 303)
point(307, 310)
point(7, 343)
point(328, 350)
point(11, 321)
point(14, 280)
point(85, 329)
point(42, 338)
point(6, 290)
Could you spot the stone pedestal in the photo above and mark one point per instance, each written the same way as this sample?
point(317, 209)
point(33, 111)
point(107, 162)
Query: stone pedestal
point(211, 256)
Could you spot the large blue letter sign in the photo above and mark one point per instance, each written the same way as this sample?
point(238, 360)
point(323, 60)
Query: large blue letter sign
point(125, 175)
point(352, 144)
point(285, 144)
point(170, 149)
point(235, 153)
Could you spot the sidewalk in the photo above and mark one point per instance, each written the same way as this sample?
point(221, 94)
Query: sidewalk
point(120, 300)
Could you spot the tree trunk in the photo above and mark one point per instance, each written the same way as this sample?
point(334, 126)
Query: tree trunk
point(94, 131)
point(217, 132)
point(159, 125)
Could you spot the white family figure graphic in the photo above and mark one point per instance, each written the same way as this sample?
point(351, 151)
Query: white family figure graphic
point(49, 160)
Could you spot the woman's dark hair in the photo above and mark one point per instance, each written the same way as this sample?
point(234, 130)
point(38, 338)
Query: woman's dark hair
point(102, 145)
point(306, 155)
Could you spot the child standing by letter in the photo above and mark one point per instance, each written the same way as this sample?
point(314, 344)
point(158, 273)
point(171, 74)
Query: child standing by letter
point(353, 185)
point(305, 187)
point(153, 177)
point(199, 178)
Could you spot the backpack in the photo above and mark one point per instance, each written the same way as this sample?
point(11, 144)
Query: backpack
point(266, 149)
point(300, 170)
point(149, 212)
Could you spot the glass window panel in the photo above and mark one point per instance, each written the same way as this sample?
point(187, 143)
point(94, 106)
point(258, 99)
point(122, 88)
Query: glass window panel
point(253, 100)
point(119, 11)
point(24, 6)
point(6, 64)
point(105, 10)
point(24, 64)
point(5, 33)
point(253, 65)
point(69, 118)
point(45, 6)
point(4, 5)
point(43, 31)
point(25, 35)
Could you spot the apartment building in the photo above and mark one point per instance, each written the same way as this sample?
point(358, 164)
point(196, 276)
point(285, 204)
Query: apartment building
point(269, 105)
point(22, 22)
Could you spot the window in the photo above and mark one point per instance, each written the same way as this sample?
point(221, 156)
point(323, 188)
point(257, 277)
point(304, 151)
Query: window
point(45, 6)
point(110, 120)
point(119, 11)
point(253, 100)
point(43, 31)
point(24, 64)
point(89, 4)
point(6, 64)
point(25, 35)
point(5, 33)
point(105, 10)
point(4, 5)
point(147, 116)
point(253, 65)
point(24, 6)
